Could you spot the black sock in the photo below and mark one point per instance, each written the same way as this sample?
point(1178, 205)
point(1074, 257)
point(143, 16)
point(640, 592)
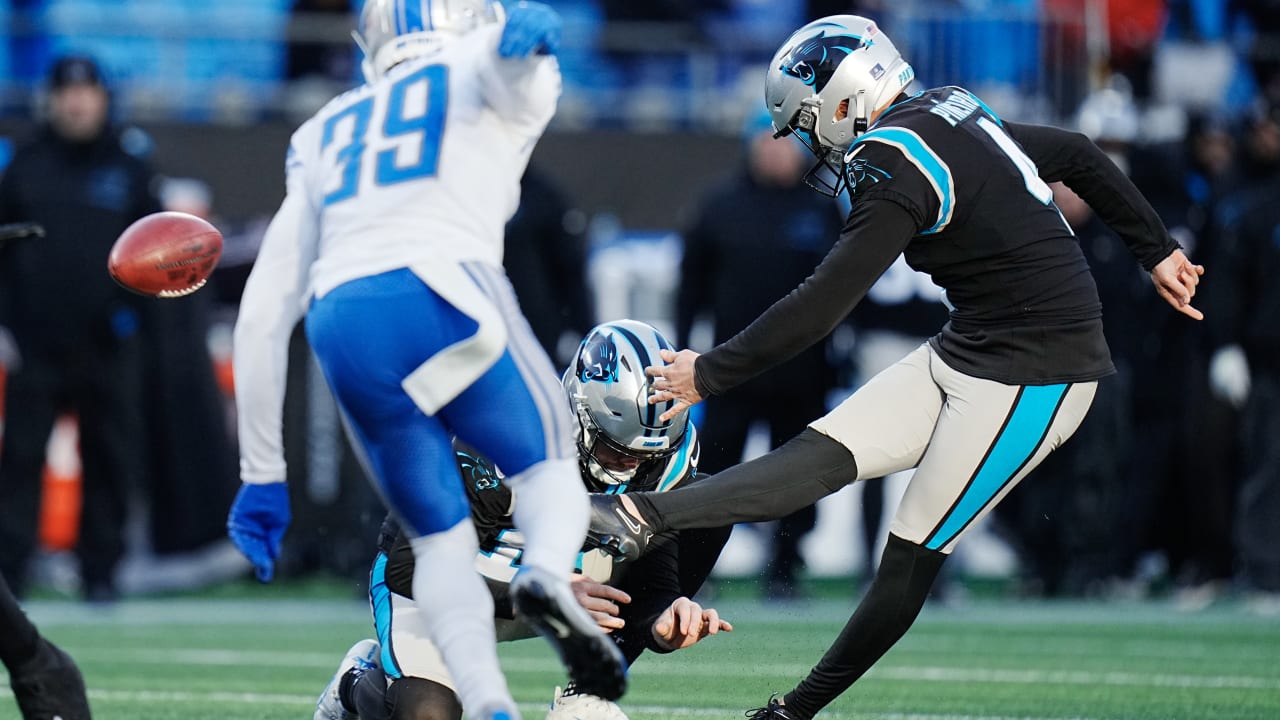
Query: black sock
point(364, 692)
point(891, 605)
point(19, 639)
point(806, 469)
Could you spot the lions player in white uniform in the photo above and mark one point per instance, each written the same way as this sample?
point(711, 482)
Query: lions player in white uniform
point(622, 446)
point(390, 240)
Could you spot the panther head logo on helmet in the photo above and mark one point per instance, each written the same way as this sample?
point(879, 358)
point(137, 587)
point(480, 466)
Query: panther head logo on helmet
point(814, 60)
point(598, 358)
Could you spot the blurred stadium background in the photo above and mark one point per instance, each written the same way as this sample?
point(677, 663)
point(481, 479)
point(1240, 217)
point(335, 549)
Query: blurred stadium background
point(655, 99)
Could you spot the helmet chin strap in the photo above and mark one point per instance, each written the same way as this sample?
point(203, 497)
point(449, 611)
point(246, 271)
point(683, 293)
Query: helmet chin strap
point(860, 120)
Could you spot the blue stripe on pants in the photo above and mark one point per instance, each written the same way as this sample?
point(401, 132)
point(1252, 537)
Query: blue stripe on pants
point(1023, 432)
point(371, 333)
point(380, 601)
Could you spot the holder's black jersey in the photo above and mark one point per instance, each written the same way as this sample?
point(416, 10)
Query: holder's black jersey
point(963, 194)
point(677, 565)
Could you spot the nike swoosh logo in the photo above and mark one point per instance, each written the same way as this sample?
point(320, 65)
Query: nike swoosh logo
point(631, 524)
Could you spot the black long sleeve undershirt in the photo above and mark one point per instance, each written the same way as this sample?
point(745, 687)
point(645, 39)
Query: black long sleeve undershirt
point(1071, 158)
point(877, 232)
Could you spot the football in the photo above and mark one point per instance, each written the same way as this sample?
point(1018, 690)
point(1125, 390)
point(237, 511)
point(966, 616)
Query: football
point(166, 255)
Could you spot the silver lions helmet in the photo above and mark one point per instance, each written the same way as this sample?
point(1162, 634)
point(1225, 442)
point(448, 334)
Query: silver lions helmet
point(823, 64)
point(392, 31)
point(621, 440)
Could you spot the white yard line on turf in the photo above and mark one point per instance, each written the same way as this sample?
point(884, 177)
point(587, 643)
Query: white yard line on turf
point(266, 658)
point(247, 698)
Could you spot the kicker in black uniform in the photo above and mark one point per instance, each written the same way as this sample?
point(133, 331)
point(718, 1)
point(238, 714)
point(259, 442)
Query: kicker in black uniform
point(940, 177)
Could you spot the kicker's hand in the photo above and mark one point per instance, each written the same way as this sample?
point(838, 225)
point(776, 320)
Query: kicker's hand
point(1176, 279)
point(600, 601)
point(674, 381)
point(685, 623)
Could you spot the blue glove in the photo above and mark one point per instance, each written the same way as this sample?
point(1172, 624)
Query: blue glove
point(532, 27)
point(257, 522)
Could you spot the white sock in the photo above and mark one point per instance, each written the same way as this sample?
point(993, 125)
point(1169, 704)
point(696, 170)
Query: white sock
point(552, 513)
point(458, 610)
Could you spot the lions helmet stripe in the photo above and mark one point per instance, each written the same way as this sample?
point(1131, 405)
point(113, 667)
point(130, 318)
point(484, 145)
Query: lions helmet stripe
point(937, 172)
point(413, 16)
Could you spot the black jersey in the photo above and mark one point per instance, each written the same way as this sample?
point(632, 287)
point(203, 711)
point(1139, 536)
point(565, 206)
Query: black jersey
point(963, 194)
point(677, 565)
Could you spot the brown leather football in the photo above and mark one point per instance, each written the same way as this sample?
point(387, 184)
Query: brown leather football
point(166, 254)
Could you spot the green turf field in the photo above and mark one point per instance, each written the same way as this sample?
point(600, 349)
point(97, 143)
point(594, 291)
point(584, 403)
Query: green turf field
point(263, 659)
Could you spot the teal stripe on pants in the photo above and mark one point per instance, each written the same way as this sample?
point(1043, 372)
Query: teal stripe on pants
point(1023, 431)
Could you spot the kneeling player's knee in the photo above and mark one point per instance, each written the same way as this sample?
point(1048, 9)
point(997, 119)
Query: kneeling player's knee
point(418, 699)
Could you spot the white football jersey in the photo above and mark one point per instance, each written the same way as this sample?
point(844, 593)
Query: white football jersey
point(421, 167)
point(424, 164)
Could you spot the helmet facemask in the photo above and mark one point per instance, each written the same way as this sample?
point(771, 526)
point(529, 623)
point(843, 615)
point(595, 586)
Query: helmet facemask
point(598, 457)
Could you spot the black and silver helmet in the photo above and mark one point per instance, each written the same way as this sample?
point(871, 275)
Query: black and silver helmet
point(831, 60)
point(609, 391)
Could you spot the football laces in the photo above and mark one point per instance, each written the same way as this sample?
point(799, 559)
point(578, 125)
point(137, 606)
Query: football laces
point(183, 292)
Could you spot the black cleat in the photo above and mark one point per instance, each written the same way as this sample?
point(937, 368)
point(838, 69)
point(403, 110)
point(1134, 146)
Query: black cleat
point(773, 710)
point(595, 664)
point(50, 686)
point(616, 531)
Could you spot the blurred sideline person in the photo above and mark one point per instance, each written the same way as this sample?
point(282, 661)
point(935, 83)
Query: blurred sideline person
point(85, 182)
point(191, 458)
point(751, 240)
point(45, 680)
point(939, 176)
point(1245, 372)
point(546, 259)
point(389, 240)
point(645, 604)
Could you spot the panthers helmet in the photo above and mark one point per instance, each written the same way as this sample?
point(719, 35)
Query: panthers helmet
point(609, 391)
point(830, 60)
point(392, 31)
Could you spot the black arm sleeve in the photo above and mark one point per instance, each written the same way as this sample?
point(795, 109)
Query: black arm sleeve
point(876, 232)
point(1073, 159)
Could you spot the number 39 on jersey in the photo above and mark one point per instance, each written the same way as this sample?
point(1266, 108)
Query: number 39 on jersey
point(397, 135)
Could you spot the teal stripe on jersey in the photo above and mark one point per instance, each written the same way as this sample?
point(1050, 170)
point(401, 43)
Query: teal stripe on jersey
point(1019, 439)
point(923, 157)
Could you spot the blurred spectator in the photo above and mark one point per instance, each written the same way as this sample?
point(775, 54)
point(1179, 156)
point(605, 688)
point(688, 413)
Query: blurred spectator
point(192, 474)
point(1245, 368)
point(753, 241)
point(77, 332)
point(325, 59)
point(546, 259)
point(1194, 487)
